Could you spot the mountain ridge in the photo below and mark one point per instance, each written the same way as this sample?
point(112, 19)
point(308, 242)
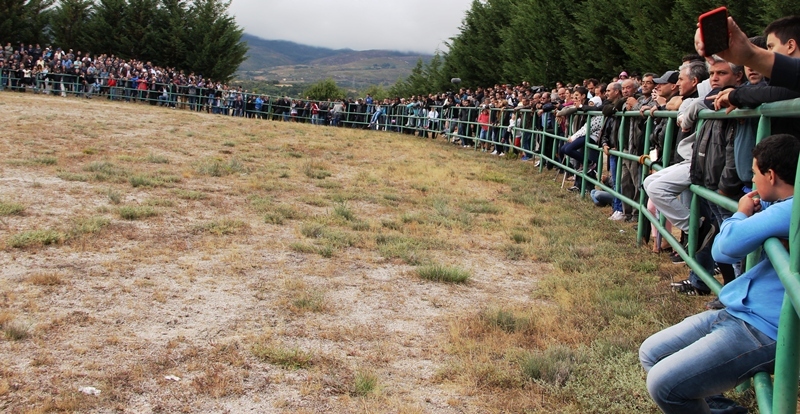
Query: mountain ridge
point(286, 61)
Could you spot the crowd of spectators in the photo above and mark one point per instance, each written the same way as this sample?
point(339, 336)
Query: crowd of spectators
point(501, 120)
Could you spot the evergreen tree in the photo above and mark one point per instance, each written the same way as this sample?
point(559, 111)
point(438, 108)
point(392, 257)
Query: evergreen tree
point(172, 30)
point(69, 24)
point(25, 21)
point(107, 27)
point(215, 49)
point(139, 37)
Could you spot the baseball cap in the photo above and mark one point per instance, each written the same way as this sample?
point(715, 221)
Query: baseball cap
point(670, 76)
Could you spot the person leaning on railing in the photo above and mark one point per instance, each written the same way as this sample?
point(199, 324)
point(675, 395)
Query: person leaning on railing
point(714, 351)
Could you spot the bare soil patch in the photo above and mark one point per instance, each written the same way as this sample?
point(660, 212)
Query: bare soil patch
point(183, 272)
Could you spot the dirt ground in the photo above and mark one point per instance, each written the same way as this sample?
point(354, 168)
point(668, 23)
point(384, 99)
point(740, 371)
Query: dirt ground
point(170, 313)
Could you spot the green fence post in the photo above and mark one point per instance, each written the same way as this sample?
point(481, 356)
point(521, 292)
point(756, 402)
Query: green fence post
point(644, 172)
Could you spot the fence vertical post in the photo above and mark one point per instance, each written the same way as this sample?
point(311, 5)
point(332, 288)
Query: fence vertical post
point(645, 171)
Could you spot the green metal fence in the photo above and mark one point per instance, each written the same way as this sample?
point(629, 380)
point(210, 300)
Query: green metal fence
point(776, 394)
point(540, 137)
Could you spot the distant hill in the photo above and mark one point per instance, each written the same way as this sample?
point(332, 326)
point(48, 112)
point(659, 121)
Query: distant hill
point(284, 62)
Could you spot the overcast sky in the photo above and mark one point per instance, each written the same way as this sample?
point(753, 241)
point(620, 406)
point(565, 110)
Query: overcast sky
point(403, 25)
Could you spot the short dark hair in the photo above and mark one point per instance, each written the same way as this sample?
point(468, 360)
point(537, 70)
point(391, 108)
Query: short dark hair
point(785, 28)
point(582, 90)
point(759, 41)
point(693, 57)
point(778, 153)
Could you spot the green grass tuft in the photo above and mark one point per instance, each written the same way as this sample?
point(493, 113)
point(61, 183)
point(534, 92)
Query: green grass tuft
point(10, 209)
point(221, 227)
point(36, 238)
point(441, 273)
point(217, 167)
point(364, 383)
point(290, 358)
point(136, 212)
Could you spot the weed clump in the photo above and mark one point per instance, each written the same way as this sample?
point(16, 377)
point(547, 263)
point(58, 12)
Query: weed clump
point(136, 212)
point(221, 227)
point(316, 170)
point(441, 273)
point(10, 209)
point(216, 167)
point(286, 357)
point(364, 383)
point(36, 238)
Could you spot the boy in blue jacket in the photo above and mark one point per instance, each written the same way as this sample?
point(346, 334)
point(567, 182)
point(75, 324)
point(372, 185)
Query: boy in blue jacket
point(714, 351)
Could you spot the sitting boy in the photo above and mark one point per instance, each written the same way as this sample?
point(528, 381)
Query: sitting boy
point(712, 352)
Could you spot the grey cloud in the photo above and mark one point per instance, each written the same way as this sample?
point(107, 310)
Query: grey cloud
point(409, 25)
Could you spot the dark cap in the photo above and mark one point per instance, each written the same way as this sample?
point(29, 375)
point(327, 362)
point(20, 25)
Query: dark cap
point(670, 76)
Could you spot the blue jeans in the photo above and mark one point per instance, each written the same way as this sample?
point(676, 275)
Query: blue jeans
point(701, 356)
point(526, 143)
point(612, 170)
point(574, 149)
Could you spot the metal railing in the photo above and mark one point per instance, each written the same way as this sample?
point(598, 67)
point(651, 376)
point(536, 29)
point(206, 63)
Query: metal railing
point(773, 396)
point(540, 137)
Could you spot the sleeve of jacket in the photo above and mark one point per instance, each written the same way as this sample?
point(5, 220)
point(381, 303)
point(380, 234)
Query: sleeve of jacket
point(566, 111)
point(753, 96)
point(729, 183)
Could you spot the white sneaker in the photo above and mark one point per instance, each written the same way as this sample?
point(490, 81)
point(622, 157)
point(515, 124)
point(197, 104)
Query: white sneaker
point(618, 216)
point(494, 152)
point(501, 154)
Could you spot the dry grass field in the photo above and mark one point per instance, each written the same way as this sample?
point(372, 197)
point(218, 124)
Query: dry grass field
point(185, 262)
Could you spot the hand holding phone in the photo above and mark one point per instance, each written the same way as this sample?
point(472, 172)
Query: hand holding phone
point(714, 31)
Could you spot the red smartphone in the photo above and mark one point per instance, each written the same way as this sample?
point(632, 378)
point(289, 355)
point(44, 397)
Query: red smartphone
point(714, 30)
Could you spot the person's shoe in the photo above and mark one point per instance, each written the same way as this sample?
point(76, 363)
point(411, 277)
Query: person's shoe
point(715, 305)
point(706, 233)
point(633, 218)
point(502, 154)
point(618, 216)
point(538, 162)
point(717, 270)
point(574, 188)
point(721, 405)
point(571, 178)
point(685, 287)
point(494, 152)
point(676, 258)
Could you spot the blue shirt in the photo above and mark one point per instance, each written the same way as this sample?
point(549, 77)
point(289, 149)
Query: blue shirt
point(756, 296)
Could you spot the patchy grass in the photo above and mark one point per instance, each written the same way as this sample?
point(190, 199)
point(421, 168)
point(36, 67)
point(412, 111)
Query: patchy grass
point(555, 306)
point(33, 238)
point(278, 354)
point(441, 273)
point(10, 209)
point(45, 279)
point(136, 212)
point(364, 383)
point(89, 225)
point(317, 170)
point(219, 167)
point(222, 227)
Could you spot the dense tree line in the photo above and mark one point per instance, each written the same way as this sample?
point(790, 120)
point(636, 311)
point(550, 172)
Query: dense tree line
point(544, 41)
point(194, 35)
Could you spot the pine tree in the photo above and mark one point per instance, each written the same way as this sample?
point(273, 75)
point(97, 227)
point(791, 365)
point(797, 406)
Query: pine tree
point(215, 49)
point(107, 27)
point(69, 24)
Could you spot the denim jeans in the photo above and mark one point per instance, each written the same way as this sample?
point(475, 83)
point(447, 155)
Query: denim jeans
point(612, 171)
point(703, 355)
point(526, 143)
point(574, 149)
